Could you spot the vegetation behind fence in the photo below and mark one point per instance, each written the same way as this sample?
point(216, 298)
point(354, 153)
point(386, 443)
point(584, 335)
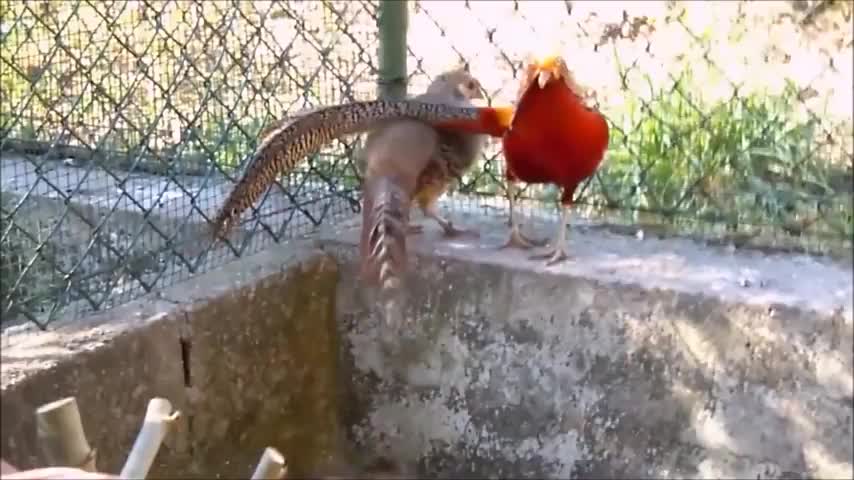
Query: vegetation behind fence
point(122, 122)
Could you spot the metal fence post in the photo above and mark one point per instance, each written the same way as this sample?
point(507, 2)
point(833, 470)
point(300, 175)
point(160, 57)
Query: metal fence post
point(392, 23)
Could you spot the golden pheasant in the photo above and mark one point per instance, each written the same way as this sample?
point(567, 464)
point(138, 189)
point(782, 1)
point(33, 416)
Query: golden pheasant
point(553, 138)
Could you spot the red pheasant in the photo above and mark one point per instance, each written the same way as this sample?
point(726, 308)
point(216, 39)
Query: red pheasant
point(553, 138)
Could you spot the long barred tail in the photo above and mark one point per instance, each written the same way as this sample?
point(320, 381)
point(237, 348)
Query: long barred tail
point(287, 143)
point(385, 218)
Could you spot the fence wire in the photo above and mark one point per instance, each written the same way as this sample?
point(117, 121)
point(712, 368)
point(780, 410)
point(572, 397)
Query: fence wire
point(124, 123)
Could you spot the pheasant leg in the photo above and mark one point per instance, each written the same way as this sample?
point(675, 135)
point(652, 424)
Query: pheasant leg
point(432, 211)
point(557, 252)
point(517, 239)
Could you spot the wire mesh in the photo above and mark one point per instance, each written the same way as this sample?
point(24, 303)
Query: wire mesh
point(730, 121)
point(123, 124)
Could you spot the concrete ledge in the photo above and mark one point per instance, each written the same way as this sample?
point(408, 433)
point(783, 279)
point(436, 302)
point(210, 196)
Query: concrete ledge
point(682, 265)
point(638, 358)
point(263, 369)
point(654, 358)
point(243, 352)
point(113, 368)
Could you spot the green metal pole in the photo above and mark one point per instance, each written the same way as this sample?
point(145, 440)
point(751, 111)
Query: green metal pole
point(392, 22)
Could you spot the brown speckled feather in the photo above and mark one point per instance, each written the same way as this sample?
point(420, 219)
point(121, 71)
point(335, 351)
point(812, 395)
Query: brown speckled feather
point(287, 143)
point(397, 155)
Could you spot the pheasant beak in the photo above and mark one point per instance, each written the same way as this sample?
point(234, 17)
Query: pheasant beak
point(543, 78)
point(547, 70)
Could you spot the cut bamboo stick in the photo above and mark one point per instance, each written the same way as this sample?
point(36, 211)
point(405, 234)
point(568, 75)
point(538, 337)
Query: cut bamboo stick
point(271, 466)
point(60, 432)
point(158, 420)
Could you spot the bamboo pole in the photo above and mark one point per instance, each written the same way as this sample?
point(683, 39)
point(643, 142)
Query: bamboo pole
point(158, 420)
point(392, 23)
point(271, 466)
point(60, 432)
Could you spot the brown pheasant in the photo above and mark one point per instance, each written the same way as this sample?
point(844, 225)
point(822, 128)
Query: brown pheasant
point(411, 161)
point(287, 142)
point(457, 150)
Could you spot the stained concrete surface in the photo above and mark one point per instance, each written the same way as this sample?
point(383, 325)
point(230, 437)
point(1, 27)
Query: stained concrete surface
point(653, 358)
point(247, 353)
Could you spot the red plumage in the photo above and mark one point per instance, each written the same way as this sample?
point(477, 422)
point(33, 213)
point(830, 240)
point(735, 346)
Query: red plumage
point(553, 138)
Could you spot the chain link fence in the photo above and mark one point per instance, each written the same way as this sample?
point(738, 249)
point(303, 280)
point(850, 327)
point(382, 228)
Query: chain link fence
point(123, 124)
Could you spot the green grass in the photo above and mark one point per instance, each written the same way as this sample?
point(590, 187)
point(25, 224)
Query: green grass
point(677, 144)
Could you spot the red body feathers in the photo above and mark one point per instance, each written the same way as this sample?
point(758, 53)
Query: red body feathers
point(554, 137)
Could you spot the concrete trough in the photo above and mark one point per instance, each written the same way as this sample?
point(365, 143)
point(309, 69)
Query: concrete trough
point(654, 358)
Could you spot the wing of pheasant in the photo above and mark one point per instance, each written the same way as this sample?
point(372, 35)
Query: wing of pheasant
point(288, 143)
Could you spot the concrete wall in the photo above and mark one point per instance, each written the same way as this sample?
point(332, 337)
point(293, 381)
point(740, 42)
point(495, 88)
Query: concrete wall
point(247, 353)
point(654, 358)
point(658, 358)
